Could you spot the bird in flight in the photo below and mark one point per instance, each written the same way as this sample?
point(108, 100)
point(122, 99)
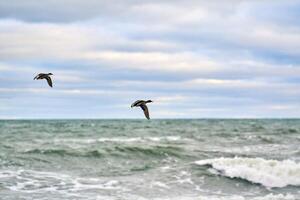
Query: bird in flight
point(44, 76)
point(142, 104)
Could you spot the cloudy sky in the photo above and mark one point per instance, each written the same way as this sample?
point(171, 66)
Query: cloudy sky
point(193, 58)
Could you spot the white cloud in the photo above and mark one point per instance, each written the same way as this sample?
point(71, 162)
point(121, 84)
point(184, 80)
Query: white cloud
point(271, 38)
point(25, 41)
point(178, 53)
point(202, 84)
point(155, 61)
point(170, 100)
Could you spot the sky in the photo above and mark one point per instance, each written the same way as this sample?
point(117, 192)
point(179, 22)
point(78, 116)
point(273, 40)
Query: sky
point(193, 58)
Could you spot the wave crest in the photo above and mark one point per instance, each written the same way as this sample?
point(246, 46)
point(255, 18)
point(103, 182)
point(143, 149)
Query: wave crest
point(63, 152)
point(269, 173)
point(155, 151)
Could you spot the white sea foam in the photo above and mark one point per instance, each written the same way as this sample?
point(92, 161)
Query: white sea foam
point(30, 181)
point(140, 139)
point(270, 173)
point(119, 139)
point(234, 197)
point(159, 184)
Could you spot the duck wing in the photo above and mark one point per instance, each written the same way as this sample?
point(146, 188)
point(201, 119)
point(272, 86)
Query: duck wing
point(136, 103)
point(146, 111)
point(37, 76)
point(49, 81)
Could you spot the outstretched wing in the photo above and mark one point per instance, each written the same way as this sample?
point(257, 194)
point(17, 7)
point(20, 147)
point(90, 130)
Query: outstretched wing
point(37, 76)
point(49, 81)
point(146, 111)
point(136, 103)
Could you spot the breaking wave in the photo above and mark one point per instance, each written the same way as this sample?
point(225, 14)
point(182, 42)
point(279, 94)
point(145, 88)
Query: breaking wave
point(269, 173)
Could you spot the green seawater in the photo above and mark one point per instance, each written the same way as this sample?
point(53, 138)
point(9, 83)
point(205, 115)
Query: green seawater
point(157, 159)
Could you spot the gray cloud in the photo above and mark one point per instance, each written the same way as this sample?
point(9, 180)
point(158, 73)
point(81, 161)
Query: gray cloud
point(78, 10)
point(194, 58)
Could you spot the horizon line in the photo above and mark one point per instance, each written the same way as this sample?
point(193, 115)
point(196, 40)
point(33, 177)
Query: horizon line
point(200, 118)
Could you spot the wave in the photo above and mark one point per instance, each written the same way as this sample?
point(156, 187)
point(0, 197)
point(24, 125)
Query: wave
point(269, 173)
point(287, 131)
point(41, 182)
point(152, 151)
point(236, 197)
point(155, 151)
point(120, 140)
point(63, 152)
point(30, 181)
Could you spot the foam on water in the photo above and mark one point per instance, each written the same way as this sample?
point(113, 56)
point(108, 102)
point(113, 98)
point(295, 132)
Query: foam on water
point(143, 160)
point(30, 181)
point(234, 197)
point(269, 173)
point(204, 197)
point(120, 139)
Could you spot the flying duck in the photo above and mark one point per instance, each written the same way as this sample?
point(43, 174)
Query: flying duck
point(142, 104)
point(44, 76)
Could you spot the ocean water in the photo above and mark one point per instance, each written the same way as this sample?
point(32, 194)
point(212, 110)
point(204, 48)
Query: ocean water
point(157, 159)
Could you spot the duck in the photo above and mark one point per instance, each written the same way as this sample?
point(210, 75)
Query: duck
point(142, 104)
point(44, 76)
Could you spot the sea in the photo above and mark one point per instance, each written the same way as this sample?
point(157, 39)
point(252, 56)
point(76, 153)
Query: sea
point(205, 159)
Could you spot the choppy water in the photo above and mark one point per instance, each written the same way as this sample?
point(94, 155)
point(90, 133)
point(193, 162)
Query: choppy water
point(157, 159)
